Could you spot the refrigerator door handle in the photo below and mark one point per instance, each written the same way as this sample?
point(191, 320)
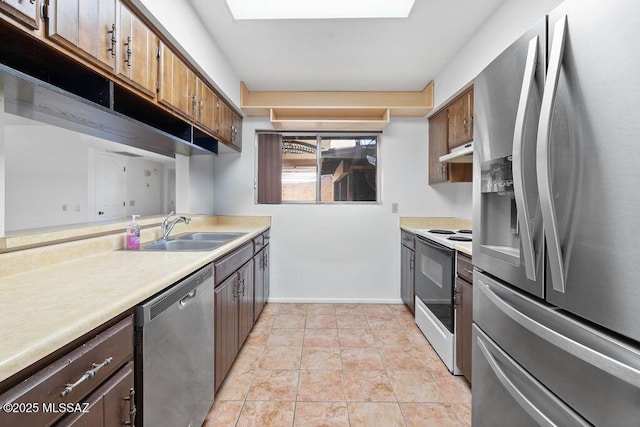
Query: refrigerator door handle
point(543, 167)
point(582, 351)
point(517, 395)
point(522, 204)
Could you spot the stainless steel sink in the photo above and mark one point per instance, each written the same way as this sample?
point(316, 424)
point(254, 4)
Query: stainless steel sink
point(184, 245)
point(200, 241)
point(209, 236)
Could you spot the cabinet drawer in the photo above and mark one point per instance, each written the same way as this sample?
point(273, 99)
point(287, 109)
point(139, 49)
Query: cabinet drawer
point(258, 243)
point(98, 359)
point(230, 263)
point(111, 404)
point(408, 240)
point(465, 267)
point(265, 236)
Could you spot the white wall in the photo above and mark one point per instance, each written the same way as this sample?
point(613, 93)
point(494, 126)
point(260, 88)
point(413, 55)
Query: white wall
point(194, 184)
point(352, 252)
point(145, 187)
point(510, 21)
point(184, 25)
point(47, 167)
point(342, 252)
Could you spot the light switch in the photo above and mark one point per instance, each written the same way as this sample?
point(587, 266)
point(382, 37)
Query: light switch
point(394, 207)
point(64, 208)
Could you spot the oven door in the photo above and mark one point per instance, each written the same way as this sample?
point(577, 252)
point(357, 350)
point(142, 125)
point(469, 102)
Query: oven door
point(434, 279)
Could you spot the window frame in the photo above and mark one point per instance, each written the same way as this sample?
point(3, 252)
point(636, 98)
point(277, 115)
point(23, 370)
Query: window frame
point(319, 136)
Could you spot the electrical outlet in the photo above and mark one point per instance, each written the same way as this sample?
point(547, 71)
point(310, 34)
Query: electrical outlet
point(64, 208)
point(394, 207)
point(132, 202)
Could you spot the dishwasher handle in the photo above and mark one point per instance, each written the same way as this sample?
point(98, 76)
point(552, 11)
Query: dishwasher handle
point(187, 298)
point(181, 294)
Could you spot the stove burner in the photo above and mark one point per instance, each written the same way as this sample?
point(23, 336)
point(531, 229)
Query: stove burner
point(436, 231)
point(459, 238)
point(464, 231)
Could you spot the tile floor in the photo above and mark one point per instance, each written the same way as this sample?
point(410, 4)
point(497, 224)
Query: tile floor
point(339, 365)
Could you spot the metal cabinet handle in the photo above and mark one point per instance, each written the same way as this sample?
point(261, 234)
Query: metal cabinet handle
point(95, 367)
point(522, 204)
point(201, 109)
point(132, 408)
point(466, 270)
point(128, 51)
point(543, 154)
point(412, 261)
point(114, 41)
point(194, 105)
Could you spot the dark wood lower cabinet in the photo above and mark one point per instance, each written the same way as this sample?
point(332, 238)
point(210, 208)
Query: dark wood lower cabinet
point(258, 281)
point(245, 301)
point(464, 318)
point(111, 405)
point(98, 371)
point(226, 328)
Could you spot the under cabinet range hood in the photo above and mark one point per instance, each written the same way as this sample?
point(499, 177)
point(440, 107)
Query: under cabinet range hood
point(462, 154)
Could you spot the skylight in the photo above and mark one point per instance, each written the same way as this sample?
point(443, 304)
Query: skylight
point(319, 9)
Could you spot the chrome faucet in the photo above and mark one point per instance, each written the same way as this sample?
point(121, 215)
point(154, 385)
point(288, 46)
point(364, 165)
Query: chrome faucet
point(168, 226)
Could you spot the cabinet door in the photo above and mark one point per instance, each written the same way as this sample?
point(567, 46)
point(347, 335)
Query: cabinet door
point(207, 106)
point(236, 130)
point(438, 131)
point(461, 120)
point(86, 28)
point(136, 59)
point(407, 286)
point(258, 281)
point(267, 269)
point(225, 121)
point(177, 84)
point(245, 306)
point(464, 319)
point(226, 327)
point(25, 11)
point(112, 405)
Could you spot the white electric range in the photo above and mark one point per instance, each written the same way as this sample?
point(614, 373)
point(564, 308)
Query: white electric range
point(435, 269)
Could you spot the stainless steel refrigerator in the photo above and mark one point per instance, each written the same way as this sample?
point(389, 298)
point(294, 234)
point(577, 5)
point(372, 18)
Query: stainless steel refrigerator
point(556, 222)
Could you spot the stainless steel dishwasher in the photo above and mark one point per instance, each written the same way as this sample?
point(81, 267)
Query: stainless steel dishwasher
point(174, 353)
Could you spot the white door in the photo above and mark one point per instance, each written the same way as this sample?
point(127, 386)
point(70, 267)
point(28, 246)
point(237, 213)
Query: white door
point(110, 187)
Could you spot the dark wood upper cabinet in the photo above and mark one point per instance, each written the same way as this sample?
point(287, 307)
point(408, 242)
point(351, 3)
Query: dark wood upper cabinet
point(136, 58)
point(177, 84)
point(86, 28)
point(451, 127)
point(461, 120)
point(207, 111)
point(438, 131)
point(26, 12)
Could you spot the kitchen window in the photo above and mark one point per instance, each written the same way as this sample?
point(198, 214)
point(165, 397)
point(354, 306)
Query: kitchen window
point(317, 168)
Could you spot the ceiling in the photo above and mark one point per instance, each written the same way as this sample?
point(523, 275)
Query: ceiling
point(345, 54)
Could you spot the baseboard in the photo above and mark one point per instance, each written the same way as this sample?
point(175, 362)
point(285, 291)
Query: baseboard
point(336, 300)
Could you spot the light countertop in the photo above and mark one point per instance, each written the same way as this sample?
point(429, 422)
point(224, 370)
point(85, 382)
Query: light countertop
point(45, 308)
point(413, 224)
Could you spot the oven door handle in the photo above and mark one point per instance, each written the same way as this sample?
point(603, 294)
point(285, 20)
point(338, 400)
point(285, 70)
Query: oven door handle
point(522, 204)
point(435, 245)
